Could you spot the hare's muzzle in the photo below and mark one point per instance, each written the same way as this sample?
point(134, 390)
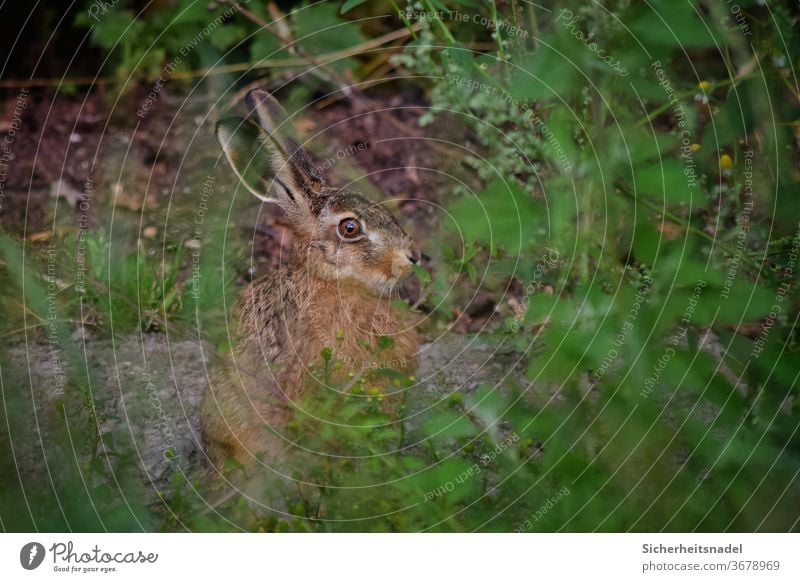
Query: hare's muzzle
point(403, 259)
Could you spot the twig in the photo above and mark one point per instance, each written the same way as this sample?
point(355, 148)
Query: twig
point(381, 68)
point(218, 70)
point(280, 30)
point(435, 16)
point(336, 97)
point(534, 24)
point(682, 223)
point(679, 97)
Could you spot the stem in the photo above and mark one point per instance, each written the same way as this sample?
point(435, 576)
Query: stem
point(439, 23)
point(280, 30)
point(792, 88)
point(666, 106)
point(500, 52)
point(405, 20)
point(534, 24)
point(683, 224)
point(402, 421)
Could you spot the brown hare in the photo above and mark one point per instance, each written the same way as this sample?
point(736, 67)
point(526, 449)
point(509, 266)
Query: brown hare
point(349, 255)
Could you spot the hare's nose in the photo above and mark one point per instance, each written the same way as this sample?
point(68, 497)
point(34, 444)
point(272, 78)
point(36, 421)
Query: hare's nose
point(413, 253)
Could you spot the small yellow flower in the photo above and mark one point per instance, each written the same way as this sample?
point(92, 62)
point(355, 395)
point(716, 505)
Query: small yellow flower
point(703, 93)
point(695, 147)
point(725, 162)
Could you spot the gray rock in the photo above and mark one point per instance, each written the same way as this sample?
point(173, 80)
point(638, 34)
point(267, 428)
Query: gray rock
point(146, 390)
point(455, 363)
point(142, 394)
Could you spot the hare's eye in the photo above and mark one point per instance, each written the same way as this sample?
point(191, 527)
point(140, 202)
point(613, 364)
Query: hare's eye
point(349, 228)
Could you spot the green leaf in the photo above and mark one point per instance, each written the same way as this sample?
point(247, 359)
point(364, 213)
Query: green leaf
point(670, 25)
point(116, 27)
point(266, 46)
point(745, 302)
point(224, 37)
point(194, 13)
point(666, 181)
point(422, 273)
point(385, 342)
point(350, 4)
point(457, 479)
point(448, 425)
point(488, 404)
point(502, 216)
point(319, 30)
point(735, 119)
point(647, 242)
point(548, 73)
point(541, 308)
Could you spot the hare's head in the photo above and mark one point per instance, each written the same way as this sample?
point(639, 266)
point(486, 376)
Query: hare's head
point(342, 235)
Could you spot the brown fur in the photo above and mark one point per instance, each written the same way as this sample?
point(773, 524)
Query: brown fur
point(336, 294)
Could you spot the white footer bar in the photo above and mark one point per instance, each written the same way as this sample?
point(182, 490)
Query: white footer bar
point(400, 557)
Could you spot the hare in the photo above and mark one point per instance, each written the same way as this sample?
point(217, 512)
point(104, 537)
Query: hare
point(349, 255)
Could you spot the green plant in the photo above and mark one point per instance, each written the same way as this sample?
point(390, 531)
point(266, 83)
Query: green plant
point(665, 425)
point(159, 43)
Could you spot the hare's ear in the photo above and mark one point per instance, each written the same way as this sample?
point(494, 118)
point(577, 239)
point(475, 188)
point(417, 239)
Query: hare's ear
point(293, 171)
point(250, 157)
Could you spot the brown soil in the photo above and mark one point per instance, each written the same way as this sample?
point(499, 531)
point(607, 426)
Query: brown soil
point(149, 169)
point(74, 139)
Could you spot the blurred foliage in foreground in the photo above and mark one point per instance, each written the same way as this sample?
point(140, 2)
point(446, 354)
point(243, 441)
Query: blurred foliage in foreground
point(647, 198)
point(639, 186)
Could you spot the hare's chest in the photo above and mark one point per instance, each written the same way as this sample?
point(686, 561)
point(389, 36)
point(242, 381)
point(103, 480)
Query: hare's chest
point(352, 329)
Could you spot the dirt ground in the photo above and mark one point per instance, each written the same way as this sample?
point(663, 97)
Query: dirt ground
point(142, 169)
point(72, 138)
